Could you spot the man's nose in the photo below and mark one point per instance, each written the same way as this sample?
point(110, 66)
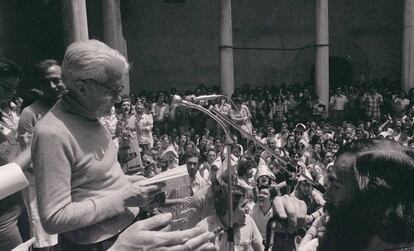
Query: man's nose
point(53, 85)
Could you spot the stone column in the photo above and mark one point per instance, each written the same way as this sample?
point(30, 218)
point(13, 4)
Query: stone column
point(226, 50)
point(112, 31)
point(75, 21)
point(322, 51)
point(3, 24)
point(408, 46)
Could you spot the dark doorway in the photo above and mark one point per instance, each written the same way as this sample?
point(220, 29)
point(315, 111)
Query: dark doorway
point(340, 72)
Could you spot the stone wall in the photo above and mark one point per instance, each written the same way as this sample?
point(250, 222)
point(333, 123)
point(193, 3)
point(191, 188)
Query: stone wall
point(30, 30)
point(176, 44)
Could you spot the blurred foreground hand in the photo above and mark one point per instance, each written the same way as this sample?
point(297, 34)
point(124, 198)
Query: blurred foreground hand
point(290, 210)
point(152, 234)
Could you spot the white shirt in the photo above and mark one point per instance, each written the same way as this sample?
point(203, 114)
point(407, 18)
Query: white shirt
point(205, 171)
point(159, 112)
point(144, 124)
point(198, 182)
point(246, 237)
point(261, 218)
point(338, 102)
point(223, 108)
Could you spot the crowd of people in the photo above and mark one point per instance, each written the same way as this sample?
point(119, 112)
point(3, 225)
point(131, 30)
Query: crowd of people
point(337, 175)
point(364, 106)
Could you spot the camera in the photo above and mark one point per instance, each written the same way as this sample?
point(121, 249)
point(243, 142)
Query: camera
point(148, 162)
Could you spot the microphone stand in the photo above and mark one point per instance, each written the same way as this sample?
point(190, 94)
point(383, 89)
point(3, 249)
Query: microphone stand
point(177, 100)
point(283, 163)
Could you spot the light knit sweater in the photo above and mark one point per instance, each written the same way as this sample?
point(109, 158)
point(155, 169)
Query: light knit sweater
point(79, 180)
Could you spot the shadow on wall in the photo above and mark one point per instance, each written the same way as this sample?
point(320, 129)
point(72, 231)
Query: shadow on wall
point(347, 61)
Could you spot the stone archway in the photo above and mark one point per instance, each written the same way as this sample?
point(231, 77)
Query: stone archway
point(344, 53)
point(341, 72)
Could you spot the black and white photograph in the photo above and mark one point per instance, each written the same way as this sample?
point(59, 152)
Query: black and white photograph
point(206, 125)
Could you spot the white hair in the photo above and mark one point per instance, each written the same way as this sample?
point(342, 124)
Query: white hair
point(92, 60)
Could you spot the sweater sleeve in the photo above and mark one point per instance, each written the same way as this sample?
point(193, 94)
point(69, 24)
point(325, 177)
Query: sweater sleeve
point(52, 161)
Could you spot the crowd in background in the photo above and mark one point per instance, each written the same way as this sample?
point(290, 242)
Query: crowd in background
point(375, 110)
point(303, 136)
point(290, 120)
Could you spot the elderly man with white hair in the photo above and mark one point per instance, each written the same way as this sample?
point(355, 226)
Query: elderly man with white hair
point(82, 191)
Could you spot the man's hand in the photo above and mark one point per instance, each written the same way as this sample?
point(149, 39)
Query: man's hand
point(291, 209)
point(143, 235)
point(135, 178)
point(309, 219)
point(25, 246)
point(140, 195)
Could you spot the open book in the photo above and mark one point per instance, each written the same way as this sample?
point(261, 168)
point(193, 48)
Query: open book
point(173, 178)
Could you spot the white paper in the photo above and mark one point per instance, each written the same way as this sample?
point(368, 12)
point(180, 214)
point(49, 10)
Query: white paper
point(12, 179)
point(173, 178)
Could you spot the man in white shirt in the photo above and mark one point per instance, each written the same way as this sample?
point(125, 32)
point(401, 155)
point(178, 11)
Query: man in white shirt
point(262, 210)
point(207, 169)
point(337, 104)
point(193, 164)
point(160, 112)
point(197, 181)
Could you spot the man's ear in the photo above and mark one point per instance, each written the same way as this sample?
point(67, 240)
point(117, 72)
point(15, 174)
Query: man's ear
point(80, 88)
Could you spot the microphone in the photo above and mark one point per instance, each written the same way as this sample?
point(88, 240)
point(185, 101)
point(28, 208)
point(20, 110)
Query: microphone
point(176, 100)
point(208, 97)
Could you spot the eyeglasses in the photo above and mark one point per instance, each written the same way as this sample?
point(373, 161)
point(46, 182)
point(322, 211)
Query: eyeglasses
point(113, 92)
